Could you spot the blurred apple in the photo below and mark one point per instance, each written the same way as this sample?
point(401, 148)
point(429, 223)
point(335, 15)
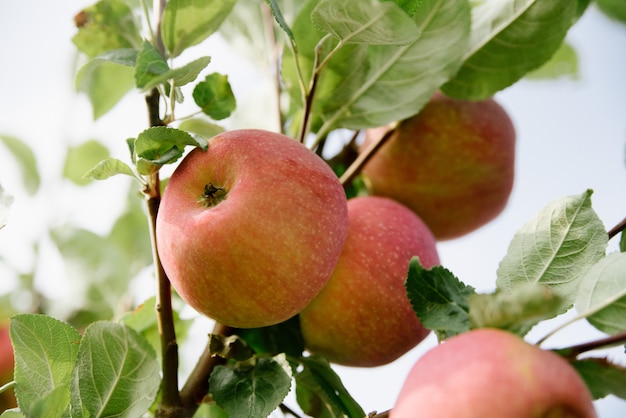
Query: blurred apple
point(250, 231)
point(363, 316)
point(489, 373)
point(452, 163)
point(7, 398)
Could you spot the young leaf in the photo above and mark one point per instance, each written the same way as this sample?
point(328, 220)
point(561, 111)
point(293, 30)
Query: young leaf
point(108, 24)
point(253, 388)
point(189, 22)
point(365, 22)
point(214, 96)
point(107, 168)
point(6, 200)
point(320, 392)
point(439, 299)
point(161, 145)
point(387, 83)
point(150, 65)
point(555, 248)
point(45, 353)
point(81, 158)
point(517, 311)
point(105, 83)
point(280, 19)
point(179, 76)
point(509, 39)
point(116, 373)
point(602, 294)
point(602, 377)
point(25, 157)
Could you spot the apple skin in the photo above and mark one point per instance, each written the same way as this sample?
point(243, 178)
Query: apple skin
point(261, 254)
point(7, 359)
point(363, 316)
point(453, 164)
point(489, 373)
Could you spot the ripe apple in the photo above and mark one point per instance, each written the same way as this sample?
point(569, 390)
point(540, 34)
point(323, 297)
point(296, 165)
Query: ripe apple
point(489, 373)
point(250, 231)
point(363, 316)
point(452, 163)
point(7, 398)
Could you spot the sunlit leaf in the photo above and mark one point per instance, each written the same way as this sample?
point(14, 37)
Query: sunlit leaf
point(25, 157)
point(82, 158)
point(365, 22)
point(150, 65)
point(179, 76)
point(188, 22)
point(509, 39)
point(45, 353)
point(602, 294)
point(564, 63)
point(555, 248)
point(215, 97)
point(321, 393)
point(517, 311)
point(116, 373)
point(253, 388)
point(201, 127)
point(440, 300)
point(107, 25)
point(107, 168)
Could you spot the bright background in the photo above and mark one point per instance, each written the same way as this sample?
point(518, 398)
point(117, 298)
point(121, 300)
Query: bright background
point(571, 136)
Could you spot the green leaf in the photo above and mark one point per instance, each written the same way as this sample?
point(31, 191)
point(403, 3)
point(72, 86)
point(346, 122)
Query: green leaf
point(280, 19)
point(6, 200)
point(284, 337)
point(615, 9)
point(253, 388)
point(9, 413)
point(320, 392)
point(564, 63)
point(440, 300)
point(365, 22)
point(368, 86)
point(622, 242)
point(45, 353)
point(150, 65)
point(188, 22)
point(409, 6)
point(161, 145)
point(107, 25)
point(215, 97)
point(179, 76)
point(517, 311)
point(116, 373)
point(230, 347)
point(201, 127)
point(508, 40)
point(105, 83)
point(555, 248)
point(107, 168)
point(81, 158)
point(602, 294)
point(25, 157)
point(602, 377)
point(55, 404)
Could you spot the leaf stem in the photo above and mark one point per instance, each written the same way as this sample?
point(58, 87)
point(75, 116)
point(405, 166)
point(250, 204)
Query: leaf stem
point(197, 385)
point(355, 168)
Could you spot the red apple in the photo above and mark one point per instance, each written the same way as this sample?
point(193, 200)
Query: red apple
point(250, 231)
point(363, 316)
point(452, 163)
point(7, 398)
point(489, 373)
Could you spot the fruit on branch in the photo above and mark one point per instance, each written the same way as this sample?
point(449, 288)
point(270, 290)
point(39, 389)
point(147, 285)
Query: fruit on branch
point(250, 231)
point(7, 398)
point(363, 316)
point(489, 373)
point(452, 163)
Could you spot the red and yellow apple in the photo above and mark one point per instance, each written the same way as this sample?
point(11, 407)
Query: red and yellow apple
point(363, 316)
point(452, 164)
point(7, 398)
point(250, 231)
point(489, 373)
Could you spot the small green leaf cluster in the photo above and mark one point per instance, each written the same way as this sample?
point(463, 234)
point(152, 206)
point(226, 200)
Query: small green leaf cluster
point(557, 261)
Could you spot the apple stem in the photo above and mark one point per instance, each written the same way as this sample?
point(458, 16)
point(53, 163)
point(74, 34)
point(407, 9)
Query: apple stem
point(617, 228)
point(357, 165)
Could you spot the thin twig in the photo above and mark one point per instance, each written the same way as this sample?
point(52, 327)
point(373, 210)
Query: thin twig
point(268, 22)
point(375, 414)
point(613, 340)
point(617, 228)
point(363, 158)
